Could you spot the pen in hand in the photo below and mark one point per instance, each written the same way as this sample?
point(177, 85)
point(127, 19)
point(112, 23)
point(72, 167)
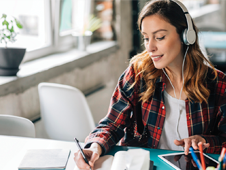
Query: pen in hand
point(83, 155)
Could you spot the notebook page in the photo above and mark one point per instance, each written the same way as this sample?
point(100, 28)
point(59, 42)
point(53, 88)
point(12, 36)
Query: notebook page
point(138, 159)
point(120, 161)
point(103, 163)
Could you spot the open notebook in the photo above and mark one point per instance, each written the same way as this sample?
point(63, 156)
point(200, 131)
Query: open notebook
point(133, 159)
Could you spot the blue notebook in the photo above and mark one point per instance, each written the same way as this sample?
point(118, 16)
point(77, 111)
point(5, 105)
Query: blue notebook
point(45, 159)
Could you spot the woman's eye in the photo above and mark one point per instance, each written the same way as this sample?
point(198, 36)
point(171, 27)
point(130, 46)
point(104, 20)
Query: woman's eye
point(145, 39)
point(161, 38)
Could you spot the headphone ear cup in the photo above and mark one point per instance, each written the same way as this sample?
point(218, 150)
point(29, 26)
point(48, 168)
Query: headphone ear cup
point(191, 36)
point(188, 37)
point(184, 37)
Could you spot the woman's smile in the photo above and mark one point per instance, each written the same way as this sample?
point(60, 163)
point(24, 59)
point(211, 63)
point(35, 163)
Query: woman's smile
point(156, 58)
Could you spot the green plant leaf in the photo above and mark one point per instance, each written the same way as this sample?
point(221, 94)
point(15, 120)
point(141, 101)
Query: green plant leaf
point(5, 23)
point(12, 29)
point(10, 37)
point(18, 24)
point(93, 23)
point(4, 15)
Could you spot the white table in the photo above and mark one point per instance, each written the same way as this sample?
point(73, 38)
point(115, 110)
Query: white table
point(13, 149)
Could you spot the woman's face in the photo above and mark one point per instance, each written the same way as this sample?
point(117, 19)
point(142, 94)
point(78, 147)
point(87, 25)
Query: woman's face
point(162, 42)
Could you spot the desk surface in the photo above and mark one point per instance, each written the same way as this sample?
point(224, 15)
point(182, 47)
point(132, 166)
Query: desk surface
point(12, 150)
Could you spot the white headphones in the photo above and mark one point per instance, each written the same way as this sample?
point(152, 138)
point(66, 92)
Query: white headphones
point(188, 34)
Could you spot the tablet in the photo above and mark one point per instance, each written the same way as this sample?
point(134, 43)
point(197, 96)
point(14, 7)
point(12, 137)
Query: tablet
point(180, 161)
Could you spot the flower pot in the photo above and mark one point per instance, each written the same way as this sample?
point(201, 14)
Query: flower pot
point(10, 59)
point(84, 40)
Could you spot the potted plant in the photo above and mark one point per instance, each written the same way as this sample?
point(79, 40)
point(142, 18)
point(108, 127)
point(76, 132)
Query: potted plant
point(10, 58)
point(90, 25)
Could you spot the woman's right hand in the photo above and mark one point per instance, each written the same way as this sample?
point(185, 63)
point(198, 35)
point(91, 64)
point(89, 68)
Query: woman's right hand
point(92, 154)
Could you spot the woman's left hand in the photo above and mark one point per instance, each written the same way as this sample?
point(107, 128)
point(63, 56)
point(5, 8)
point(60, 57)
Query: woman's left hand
point(191, 141)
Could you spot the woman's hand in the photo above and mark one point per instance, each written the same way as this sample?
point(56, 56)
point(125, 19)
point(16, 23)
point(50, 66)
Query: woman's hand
point(92, 154)
point(191, 141)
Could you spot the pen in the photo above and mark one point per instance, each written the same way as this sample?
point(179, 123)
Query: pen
point(195, 158)
point(224, 162)
point(222, 153)
point(83, 155)
point(201, 156)
point(220, 167)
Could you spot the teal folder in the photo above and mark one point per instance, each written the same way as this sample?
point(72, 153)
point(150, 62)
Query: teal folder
point(45, 159)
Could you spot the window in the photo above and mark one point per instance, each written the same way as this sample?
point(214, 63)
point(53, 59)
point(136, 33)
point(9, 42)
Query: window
point(80, 14)
point(73, 15)
point(66, 15)
point(70, 19)
point(47, 24)
point(35, 18)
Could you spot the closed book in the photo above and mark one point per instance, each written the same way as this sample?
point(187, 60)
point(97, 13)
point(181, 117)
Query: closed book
point(45, 159)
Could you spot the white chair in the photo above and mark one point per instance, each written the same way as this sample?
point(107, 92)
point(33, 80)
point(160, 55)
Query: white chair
point(16, 126)
point(64, 112)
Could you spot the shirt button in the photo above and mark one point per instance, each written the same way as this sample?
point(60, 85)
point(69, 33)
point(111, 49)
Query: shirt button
point(158, 127)
point(163, 107)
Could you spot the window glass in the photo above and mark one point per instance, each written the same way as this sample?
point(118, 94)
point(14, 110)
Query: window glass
point(73, 15)
point(66, 15)
point(35, 18)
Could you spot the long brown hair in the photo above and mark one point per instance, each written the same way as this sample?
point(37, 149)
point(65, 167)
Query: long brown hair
point(196, 64)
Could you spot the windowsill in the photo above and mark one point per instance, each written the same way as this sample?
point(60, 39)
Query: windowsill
point(33, 72)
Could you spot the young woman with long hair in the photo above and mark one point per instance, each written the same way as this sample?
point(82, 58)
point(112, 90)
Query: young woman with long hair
point(170, 97)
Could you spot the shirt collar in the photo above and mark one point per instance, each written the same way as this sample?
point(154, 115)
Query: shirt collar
point(162, 80)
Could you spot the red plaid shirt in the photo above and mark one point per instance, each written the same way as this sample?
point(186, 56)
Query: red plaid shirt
point(136, 124)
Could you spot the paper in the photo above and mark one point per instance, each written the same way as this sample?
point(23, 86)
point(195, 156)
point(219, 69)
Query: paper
point(133, 159)
point(120, 161)
point(45, 159)
point(103, 162)
point(141, 160)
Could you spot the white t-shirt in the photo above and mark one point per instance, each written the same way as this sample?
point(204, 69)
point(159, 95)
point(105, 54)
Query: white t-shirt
point(175, 125)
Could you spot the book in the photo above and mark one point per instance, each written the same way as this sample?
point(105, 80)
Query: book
point(133, 159)
point(45, 159)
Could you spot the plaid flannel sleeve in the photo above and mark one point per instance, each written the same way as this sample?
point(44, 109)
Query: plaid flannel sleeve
point(111, 128)
point(218, 140)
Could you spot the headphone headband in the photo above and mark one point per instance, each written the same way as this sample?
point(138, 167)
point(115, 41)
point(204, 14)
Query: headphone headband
point(189, 35)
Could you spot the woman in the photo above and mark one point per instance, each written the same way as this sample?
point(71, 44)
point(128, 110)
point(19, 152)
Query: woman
point(170, 97)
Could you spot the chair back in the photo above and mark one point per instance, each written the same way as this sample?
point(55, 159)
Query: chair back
point(65, 112)
point(16, 126)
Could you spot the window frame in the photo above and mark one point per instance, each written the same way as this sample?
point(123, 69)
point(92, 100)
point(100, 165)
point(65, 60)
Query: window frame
point(59, 42)
point(40, 52)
